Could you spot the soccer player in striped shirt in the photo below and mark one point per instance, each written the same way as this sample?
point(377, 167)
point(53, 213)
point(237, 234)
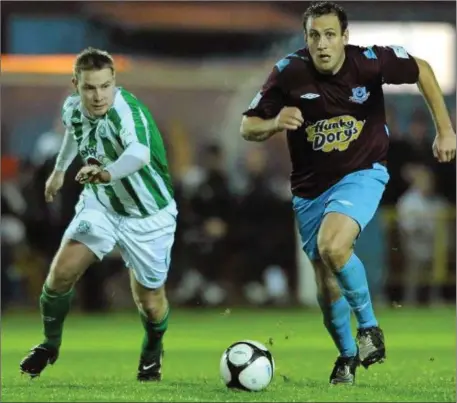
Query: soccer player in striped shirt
point(127, 201)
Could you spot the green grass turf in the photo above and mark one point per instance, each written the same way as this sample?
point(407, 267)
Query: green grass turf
point(100, 354)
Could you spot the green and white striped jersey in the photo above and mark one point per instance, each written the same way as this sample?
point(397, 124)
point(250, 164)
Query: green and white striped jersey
point(102, 140)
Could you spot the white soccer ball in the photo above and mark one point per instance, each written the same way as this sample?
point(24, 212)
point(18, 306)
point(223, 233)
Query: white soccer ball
point(247, 365)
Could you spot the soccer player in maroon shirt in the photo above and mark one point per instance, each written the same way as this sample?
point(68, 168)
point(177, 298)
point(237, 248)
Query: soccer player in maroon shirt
point(329, 98)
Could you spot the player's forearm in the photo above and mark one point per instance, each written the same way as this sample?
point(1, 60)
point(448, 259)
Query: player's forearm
point(134, 157)
point(431, 91)
point(257, 129)
point(67, 153)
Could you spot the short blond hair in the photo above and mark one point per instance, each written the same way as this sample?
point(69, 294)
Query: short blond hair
point(92, 59)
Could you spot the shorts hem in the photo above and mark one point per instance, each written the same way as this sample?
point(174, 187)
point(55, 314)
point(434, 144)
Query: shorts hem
point(358, 222)
point(97, 254)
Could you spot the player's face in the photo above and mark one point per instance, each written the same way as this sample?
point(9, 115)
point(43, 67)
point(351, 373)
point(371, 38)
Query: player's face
point(326, 43)
point(96, 88)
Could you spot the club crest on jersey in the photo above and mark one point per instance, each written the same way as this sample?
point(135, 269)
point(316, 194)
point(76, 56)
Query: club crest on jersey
point(101, 130)
point(334, 134)
point(84, 227)
point(359, 95)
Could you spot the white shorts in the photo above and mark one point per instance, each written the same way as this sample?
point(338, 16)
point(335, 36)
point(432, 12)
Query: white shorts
point(145, 243)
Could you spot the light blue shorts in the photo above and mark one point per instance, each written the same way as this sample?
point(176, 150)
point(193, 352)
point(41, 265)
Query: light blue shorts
point(357, 195)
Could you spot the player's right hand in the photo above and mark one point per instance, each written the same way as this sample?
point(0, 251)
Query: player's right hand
point(53, 185)
point(290, 118)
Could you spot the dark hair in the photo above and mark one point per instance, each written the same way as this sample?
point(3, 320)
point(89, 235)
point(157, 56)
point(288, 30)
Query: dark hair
point(321, 8)
point(92, 59)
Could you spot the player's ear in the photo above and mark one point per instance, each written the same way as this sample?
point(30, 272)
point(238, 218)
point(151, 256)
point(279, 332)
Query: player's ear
point(74, 81)
point(346, 37)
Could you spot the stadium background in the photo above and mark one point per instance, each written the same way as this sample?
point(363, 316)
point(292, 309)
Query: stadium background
point(197, 65)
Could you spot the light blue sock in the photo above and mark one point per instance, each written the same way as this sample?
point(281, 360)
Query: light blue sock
point(353, 282)
point(337, 320)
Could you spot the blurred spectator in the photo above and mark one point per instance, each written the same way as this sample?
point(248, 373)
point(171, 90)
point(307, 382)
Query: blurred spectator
point(419, 212)
point(12, 236)
point(4, 138)
point(400, 153)
point(420, 137)
point(48, 143)
point(415, 146)
point(13, 232)
point(51, 218)
point(210, 209)
point(446, 175)
point(262, 236)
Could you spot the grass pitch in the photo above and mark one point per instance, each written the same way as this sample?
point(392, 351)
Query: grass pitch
point(100, 354)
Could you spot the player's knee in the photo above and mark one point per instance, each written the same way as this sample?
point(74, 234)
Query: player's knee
point(333, 250)
point(62, 276)
point(153, 303)
point(68, 265)
point(151, 311)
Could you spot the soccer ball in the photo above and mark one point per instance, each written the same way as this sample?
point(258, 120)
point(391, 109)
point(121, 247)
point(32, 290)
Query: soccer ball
point(247, 365)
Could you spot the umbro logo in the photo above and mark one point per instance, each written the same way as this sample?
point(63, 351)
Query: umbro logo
point(310, 95)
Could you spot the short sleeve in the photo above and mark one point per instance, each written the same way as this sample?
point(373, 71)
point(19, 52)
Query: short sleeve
point(394, 64)
point(270, 99)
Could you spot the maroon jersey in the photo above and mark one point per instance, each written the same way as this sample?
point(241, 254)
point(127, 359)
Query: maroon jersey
point(345, 124)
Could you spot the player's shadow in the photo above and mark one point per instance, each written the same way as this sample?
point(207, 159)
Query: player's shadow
point(183, 383)
point(285, 381)
point(209, 386)
point(58, 385)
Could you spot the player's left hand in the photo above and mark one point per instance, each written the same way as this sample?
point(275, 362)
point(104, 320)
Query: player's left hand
point(93, 174)
point(444, 146)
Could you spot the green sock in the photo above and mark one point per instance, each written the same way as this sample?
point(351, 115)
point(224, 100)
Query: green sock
point(54, 309)
point(154, 331)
